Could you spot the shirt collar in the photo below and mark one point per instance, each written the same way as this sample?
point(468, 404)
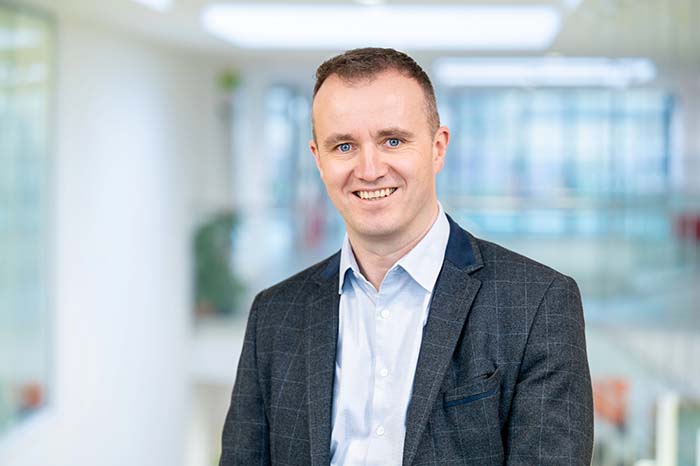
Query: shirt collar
point(422, 263)
point(347, 261)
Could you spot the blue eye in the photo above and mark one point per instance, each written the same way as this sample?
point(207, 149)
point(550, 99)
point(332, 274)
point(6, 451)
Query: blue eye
point(345, 147)
point(393, 142)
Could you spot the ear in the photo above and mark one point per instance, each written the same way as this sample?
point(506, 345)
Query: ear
point(314, 150)
point(440, 142)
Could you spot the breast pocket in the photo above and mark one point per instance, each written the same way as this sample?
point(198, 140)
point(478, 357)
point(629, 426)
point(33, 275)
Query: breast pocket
point(474, 390)
point(466, 425)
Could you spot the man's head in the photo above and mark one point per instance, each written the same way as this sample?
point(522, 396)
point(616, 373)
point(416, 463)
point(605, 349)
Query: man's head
point(377, 144)
point(365, 64)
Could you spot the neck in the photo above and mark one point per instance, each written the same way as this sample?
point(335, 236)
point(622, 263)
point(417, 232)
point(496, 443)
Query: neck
point(375, 256)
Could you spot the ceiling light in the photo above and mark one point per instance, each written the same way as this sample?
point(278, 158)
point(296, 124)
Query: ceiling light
point(544, 71)
point(158, 5)
point(370, 2)
point(314, 26)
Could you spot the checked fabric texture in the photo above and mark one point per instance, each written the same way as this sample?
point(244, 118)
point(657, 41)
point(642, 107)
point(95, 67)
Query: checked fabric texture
point(502, 376)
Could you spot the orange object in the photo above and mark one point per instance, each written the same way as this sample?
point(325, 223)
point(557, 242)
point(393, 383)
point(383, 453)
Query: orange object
point(610, 397)
point(32, 395)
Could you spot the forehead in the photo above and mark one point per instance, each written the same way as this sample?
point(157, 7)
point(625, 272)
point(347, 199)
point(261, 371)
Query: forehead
point(388, 99)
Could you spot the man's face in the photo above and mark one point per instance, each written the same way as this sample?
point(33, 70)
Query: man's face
point(377, 155)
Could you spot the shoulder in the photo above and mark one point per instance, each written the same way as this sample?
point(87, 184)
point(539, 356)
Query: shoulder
point(300, 285)
point(502, 260)
point(489, 261)
point(514, 272)
point(279, 313)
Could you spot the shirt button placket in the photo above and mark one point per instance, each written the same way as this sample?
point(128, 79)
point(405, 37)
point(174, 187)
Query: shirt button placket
point(381, 401)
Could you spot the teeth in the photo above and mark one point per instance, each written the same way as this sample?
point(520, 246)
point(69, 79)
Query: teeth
point(375, 194)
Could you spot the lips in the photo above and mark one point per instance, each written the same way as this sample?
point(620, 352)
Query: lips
point(375, 194)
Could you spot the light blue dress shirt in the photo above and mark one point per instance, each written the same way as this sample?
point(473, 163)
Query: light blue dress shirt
point(379, 337)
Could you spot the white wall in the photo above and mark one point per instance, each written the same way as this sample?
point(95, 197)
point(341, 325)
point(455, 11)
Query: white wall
point(136, 124)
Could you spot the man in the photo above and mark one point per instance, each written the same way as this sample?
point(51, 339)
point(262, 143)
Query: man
point(417, 343)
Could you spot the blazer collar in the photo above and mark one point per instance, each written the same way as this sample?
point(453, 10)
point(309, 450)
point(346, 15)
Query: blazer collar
point(462, 251)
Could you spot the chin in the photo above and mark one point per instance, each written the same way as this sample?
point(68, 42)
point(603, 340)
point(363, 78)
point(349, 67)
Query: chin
point(377, 230)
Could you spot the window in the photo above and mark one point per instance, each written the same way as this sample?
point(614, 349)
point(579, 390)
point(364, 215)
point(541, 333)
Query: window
point(25, 84)
point(565, 152)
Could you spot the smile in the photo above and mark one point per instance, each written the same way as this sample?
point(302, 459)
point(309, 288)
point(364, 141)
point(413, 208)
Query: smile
point(373, 195)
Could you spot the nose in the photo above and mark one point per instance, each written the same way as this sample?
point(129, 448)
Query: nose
point(370, 166)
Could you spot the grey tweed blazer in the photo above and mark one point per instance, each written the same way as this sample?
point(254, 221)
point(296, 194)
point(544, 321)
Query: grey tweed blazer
point(502, 375)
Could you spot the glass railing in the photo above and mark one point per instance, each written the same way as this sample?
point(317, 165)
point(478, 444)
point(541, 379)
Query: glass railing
point(632, 257)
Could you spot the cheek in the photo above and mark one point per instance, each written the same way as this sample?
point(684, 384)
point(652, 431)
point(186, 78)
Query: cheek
point(419, 170)
point(334, 176)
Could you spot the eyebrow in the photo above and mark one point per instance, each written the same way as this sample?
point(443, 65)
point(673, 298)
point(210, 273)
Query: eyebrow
point(334, 139)
point(395, 132)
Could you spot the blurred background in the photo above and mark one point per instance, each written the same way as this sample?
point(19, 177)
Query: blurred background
point(154, 175)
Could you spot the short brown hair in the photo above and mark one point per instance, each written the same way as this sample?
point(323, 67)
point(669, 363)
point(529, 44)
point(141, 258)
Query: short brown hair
point(367, 63)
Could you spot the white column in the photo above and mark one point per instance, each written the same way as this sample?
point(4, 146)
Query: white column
point(667, 430)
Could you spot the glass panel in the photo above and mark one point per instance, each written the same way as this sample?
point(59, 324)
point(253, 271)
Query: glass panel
point(25, 82)
point(543, 143)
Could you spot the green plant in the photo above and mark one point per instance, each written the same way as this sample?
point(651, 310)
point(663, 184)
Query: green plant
point(217, 289)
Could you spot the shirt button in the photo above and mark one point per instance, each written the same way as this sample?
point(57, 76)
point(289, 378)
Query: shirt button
point(384, 372)
point(380, 431)
point(385, 314)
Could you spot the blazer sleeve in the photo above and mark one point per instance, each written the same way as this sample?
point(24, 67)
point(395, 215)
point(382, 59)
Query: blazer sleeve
point(551, 415)
point(245, 438)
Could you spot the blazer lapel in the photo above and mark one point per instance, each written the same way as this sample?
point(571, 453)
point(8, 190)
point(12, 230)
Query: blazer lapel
point(321, 340)
point(453, 296)
point(454, 293)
